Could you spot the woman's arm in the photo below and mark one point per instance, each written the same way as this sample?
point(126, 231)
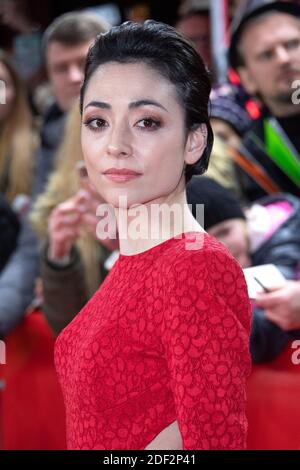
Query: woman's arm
point(206, 337)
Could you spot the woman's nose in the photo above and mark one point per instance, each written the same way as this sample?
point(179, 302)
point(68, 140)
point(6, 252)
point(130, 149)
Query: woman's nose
point(119, 144)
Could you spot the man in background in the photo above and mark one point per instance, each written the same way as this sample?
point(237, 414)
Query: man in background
point(265, 52)
point(194, 24)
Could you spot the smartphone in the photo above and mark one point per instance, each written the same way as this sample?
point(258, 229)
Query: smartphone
point(263, 278)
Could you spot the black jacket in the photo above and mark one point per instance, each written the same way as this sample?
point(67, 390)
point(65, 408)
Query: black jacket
point(9, 231)
point(283, 250)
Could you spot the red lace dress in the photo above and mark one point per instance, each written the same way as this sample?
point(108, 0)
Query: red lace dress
point(165, 338)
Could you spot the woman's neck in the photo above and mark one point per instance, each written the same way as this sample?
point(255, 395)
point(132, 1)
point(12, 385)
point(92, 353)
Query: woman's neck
point(144, 226)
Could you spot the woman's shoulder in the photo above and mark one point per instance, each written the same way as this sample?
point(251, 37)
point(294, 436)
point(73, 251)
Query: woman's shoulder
point(194, 249)
point(198, 259)
point(199, 277)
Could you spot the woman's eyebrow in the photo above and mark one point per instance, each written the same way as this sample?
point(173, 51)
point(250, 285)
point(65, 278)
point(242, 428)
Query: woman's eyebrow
point(133, 104)
point(146, 102)
point(98, 104)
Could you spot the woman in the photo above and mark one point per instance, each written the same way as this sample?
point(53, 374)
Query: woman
point(58, 218)
point(159, 356)
point(17, 141)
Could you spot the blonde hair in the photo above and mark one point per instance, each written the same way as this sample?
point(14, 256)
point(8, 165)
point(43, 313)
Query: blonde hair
point(17, 139)
point(63, 184)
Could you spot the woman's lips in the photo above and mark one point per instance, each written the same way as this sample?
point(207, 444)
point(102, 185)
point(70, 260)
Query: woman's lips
point(121, 175)
point(119, 178)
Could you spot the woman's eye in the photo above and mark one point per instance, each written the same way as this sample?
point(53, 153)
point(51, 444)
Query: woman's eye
point(96, 124)
point(148, 123)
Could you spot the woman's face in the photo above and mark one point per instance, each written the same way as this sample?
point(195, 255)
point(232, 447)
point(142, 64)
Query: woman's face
point(8, 91)
point(132, 120)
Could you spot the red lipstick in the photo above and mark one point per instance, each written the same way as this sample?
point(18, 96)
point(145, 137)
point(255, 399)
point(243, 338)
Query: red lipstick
point(121, 174)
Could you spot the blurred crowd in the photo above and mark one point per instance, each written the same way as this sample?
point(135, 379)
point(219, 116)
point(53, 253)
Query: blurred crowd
point(50, 257)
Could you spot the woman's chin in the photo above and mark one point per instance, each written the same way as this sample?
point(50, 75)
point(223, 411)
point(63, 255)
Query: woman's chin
point(122, 200)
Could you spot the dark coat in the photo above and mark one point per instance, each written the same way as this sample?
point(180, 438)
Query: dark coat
point(283, 250)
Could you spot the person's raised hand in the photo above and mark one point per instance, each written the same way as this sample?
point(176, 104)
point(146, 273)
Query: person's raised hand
point(64, 226)
point(282, 306)
point(90, 219)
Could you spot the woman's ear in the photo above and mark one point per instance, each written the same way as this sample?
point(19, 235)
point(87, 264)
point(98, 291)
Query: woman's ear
point(196, 143)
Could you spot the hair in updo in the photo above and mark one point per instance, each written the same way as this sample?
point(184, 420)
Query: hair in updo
point(164, 49)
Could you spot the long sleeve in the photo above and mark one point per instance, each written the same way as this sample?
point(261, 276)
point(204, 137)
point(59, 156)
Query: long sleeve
point(205, 332)
point(65, 291)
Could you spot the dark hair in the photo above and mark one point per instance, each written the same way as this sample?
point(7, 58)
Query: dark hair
point(73, 28)
point(164, 49)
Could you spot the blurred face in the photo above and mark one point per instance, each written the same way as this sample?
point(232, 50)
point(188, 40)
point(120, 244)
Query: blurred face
point(272, 60)
point(132, 121)
point(197, 29)
point(11, 12)
point(139, 13)
point(233, 234)
point(225, 132)
point(66, 71)
point(8, 92)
